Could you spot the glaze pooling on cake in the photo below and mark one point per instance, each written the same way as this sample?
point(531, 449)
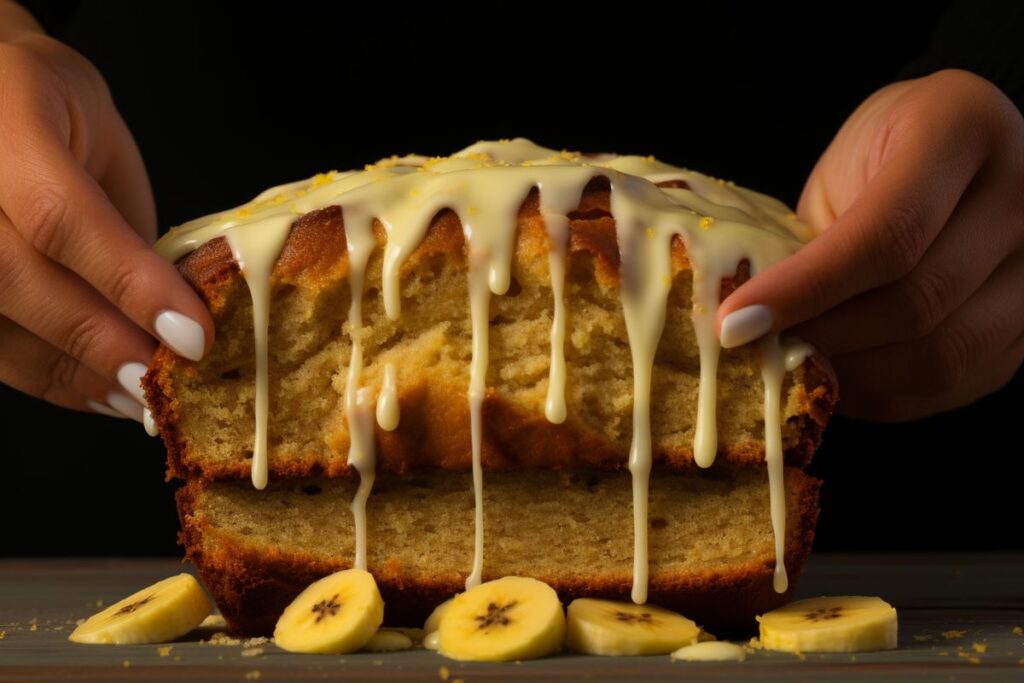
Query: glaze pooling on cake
point(484, 185)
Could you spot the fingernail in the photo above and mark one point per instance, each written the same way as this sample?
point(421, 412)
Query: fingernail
point(745, 325)
point(125, 404)
point(183, 334)
point(129, 376)
point(97, 407)
point(149, 423)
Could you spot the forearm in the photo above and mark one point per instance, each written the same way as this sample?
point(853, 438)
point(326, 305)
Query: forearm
point(16, 21)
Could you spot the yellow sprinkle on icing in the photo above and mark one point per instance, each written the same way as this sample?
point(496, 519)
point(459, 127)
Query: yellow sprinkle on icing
point(706, 222)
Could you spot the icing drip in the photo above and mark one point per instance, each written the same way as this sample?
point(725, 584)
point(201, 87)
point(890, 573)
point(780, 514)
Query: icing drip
point(358, 411)
point(249, 245)
point(485, 184)
point(364, 460)
point(388, 410)
point(773, 369)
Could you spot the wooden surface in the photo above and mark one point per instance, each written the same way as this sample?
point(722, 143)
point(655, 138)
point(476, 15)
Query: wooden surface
point(981, 595)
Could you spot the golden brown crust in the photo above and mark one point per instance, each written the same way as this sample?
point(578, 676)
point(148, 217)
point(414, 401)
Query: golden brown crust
point(435, 433)
point(252, 584)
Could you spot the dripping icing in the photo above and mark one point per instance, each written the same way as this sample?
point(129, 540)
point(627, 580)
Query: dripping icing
point(485, 184)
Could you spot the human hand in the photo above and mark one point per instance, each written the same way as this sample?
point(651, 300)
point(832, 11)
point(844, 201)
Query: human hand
point(914, 286)
point(82, 295)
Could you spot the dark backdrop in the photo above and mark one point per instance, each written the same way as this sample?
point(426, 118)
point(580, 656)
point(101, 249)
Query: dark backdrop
point(226, 100)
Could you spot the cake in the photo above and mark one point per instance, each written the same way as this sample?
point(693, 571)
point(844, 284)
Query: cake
point(475, 406)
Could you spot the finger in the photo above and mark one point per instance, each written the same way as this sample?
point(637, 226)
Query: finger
point(900, 408)
point(64, 214)
point(964, 344)
point(58, 306)
point(126, 184)
point(31, 365)
point(877, 240)
point(982, 230)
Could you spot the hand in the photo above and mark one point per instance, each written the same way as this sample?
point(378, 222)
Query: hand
point(914, 286)
point(82, 295)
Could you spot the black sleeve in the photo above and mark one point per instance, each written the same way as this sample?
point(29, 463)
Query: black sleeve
point(984, 37)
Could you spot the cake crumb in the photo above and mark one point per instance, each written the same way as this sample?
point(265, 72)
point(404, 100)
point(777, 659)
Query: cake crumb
point(252, 675)
point(255, 642)
point(944, 654)
point(220, 638)
point(974, 660)
point(3, 634)
point(79, 622)
point(923, 637)
point(126, 664)
point(443, 673)
point(979, 647)
point(1018, 631)
point(252, 651)
point(98, 603)
point(164, 650)
point(952, 633)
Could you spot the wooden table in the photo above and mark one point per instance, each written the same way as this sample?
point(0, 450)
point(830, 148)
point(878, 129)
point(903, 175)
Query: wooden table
point(936, 595)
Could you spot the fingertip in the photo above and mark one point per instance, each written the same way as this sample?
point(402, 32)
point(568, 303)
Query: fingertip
point(184, 335)
point(745, 324)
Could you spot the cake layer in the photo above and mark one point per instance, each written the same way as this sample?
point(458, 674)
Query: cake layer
point(710, 539)
point(205, 409)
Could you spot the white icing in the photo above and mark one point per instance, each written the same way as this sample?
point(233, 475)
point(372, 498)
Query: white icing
point(485, 185)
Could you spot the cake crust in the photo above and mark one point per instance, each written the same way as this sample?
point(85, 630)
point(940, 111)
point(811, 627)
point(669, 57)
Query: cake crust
point(435, 433)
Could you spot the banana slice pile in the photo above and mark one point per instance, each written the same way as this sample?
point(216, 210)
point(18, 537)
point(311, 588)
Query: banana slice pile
point(512, 618)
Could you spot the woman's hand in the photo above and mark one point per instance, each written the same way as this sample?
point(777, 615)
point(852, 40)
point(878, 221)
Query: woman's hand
point(915, 285)
point(82, 295)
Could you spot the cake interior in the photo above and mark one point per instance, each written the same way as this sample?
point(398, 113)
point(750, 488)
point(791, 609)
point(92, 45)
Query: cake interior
point(709, 534)
point(430, 346)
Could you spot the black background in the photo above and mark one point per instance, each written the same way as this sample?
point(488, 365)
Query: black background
point(227, 99)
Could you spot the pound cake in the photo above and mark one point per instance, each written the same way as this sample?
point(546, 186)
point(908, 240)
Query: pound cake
point(501, 362)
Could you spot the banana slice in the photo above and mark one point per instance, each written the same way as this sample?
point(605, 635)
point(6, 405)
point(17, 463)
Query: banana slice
point(838, 624)
point(335, 615)
point(498, 621)
point(433, 622)
point(166, 610)
point(604, 627)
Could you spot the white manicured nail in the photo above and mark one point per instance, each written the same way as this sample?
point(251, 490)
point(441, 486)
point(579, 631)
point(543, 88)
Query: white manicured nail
point(745, 325)
point(181, 333)
point(149, 423)
point(124, 403)
point(97, 407)
point(129, 376)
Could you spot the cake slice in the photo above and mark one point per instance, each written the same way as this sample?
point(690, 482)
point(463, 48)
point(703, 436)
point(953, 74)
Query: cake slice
point(501, 362)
